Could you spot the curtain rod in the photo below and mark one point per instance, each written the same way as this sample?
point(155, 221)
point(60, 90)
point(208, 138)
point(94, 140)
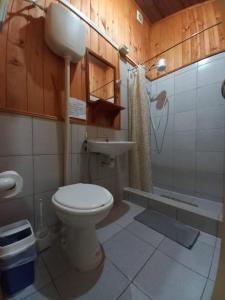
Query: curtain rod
point(179, 43)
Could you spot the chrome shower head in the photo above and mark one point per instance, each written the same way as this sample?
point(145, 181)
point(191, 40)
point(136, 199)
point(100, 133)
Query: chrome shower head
point(161, 65)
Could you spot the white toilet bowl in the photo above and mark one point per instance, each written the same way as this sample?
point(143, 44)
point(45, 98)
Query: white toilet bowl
point(80, 207)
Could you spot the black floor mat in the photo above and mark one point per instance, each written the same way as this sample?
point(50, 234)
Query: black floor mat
point(173, 229)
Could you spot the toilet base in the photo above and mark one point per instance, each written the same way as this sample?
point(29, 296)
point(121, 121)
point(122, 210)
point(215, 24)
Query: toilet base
point(82, 247)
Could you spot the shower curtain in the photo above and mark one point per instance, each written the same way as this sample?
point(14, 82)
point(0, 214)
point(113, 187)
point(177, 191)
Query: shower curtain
point(139, 131)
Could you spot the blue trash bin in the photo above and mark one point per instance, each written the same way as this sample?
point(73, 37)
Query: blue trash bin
point(17, 256)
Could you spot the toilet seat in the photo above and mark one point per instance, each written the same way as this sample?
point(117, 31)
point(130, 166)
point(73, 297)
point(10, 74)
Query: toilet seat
point(83, 197)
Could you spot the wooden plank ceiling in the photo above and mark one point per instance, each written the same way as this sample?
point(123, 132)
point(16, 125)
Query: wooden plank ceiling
point(159, 9)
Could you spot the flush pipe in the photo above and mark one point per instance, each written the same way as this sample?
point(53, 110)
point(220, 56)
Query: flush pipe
point(67, 142)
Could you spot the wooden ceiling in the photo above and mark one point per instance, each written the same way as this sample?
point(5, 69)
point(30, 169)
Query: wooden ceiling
point(156, 10)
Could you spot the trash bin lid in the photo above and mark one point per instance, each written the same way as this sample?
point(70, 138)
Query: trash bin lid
point(15, 237)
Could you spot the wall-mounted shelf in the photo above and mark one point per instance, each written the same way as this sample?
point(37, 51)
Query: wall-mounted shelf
point(103, 95)
point(103, 112)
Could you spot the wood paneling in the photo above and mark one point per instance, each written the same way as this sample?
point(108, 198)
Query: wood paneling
point(182, 25)
point(159, 9)
point(32, 77)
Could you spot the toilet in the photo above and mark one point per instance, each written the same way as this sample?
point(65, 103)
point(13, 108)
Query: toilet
point(80, 207)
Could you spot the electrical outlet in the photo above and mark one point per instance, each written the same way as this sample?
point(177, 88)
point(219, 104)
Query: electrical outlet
point(140, 17)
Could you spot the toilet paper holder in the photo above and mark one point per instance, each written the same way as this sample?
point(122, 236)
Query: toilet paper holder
point(11, 184)
point(7, 184)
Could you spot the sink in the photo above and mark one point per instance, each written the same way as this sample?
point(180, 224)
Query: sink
point(108, 147)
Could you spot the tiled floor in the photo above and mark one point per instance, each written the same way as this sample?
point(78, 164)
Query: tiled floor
point(140, 264)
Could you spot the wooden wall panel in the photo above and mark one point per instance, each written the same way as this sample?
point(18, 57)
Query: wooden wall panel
point(3, 53)
point(34, 59)
point(182, 25)
point(32, 77)
point(16, 71)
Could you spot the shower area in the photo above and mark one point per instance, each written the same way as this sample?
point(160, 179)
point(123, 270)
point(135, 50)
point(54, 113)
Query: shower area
point(187, 142)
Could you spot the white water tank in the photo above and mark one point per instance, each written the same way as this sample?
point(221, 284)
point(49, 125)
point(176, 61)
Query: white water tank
point(64, 32)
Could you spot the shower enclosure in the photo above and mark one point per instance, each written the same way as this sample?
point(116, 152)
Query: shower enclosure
point(187, 144)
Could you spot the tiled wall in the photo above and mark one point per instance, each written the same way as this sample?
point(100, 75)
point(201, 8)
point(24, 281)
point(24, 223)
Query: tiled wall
point(192, 160)
point(34, 148)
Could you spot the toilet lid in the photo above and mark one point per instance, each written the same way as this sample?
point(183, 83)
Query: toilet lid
point(82, 196)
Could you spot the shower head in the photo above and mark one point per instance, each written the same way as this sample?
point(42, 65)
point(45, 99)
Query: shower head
point(161, 65)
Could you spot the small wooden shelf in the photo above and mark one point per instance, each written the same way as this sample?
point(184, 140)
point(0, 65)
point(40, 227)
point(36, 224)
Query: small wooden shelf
point(105, 105)
point(103, 110)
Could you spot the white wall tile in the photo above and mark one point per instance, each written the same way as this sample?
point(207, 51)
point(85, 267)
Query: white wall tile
point(48, 172)
point(165, 145)
point(184, 160)
point(121, 135)
point(185, 140)
point(210, 118)
point(79, 167)
point(184, 171)
point(192, 67)
point(47, 136)
point(153, 146)
point(163, 123)
point(211, 59)
point(163, 159)
point(210, 96)
point(152, 88)
point(162, 176)
point(184, 181)
point(92, 132)
point(211, 140)
point(104, 170)
point(51, 217)
point(124, 66)
point(76, 168)
point(198, 124)
point(122, 166)
point(185, 101)
point(186, 81)
point(24, 166)
point(210, 162)
point(124, 119)
point(13, 210)
point(185, 120)
point(16, 135)
point(123, 96)
point(211, 72)
point(166, 84)
point(78, 137)
point(106, 133)
point(210, 184)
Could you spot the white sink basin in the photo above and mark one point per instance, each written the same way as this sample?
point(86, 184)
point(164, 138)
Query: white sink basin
point(111, 148)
